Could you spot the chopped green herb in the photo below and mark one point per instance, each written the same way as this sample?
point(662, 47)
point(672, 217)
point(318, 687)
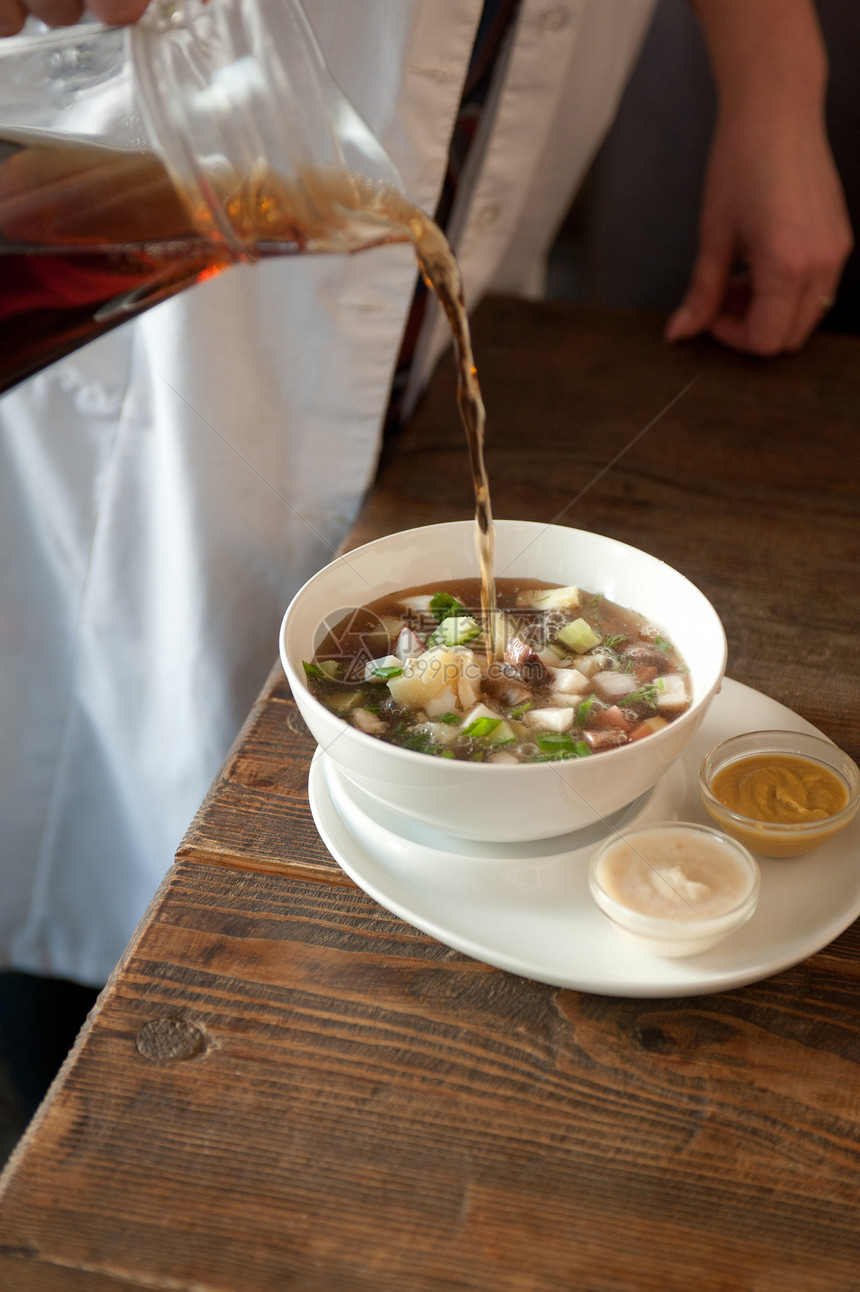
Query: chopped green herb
point(646, 694)
point(482, 727)
point(442, 604)
point(409, 739)
point(452, 719)
point(613, 640)
point(559, 744)
point(662, 644)
point(582, 711)
point(384, 672)
point(522, 708)
point(314, 673)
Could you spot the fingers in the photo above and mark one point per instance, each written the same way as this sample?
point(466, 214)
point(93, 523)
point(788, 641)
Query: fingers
point(63, 13)
point(56, 13)
point(788, 297)
point(816, 302)
point(705, 295)
point(773, 307)
point(117, 12)
point(12, 16)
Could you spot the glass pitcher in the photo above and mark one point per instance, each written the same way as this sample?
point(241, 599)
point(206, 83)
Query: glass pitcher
point(137, 161)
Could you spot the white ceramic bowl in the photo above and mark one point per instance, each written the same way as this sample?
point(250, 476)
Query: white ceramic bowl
point(504, 803)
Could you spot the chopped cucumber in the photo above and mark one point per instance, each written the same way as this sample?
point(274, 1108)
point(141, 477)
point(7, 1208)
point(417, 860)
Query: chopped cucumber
point(457, 630)
point(494, 730)
point(579, 636)
point(341, 701)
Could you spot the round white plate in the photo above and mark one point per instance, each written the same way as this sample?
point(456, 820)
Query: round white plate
point(526, 908)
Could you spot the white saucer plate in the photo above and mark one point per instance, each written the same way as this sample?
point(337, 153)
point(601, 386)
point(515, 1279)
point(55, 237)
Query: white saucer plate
point(526, 908)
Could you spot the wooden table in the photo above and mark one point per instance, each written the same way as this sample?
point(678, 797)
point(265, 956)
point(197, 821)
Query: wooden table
point(286, 1087)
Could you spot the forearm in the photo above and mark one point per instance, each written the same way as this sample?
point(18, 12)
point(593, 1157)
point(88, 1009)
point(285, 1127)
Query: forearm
point(764, 54)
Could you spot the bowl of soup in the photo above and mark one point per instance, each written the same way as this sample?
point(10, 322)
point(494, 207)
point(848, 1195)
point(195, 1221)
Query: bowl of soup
point(560, 708)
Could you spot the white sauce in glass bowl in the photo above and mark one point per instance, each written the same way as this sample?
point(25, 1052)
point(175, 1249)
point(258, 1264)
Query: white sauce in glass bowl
point(677, 888)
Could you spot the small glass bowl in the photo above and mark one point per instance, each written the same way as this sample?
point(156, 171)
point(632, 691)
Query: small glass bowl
point(648, 858)
point(776, 839)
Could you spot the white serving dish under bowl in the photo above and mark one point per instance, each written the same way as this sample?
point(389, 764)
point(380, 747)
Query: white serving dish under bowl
point(504, 803)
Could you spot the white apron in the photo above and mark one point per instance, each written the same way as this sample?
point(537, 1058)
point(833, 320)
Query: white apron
point(166, 490)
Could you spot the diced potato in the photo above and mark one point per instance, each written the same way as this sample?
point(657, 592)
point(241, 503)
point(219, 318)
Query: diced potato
point(440, 732)
point(444, 702)
point(425, 677)
point(373, 666)
point(554, 656)
point(591, 664)
point(568, 680)
point(613, 685)
point(550, 598)
point(579, 636)
point(502, 756)
point(556, 719)
point(421, 603)
point(469, 680)
point(671, 693)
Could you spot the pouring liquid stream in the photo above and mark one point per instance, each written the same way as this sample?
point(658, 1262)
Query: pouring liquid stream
point(91, 236)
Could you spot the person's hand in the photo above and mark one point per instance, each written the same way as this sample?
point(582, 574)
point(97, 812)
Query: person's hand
point(62, 13)
point(773, 239)
point(774, 232)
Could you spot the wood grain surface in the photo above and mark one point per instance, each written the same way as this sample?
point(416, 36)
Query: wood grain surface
point(285, 1087)
point(371, 1111)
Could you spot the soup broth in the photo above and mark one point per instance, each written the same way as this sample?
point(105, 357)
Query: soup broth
point(556, 673)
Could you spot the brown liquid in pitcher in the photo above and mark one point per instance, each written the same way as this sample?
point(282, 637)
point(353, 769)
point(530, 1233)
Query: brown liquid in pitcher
point(91, 236)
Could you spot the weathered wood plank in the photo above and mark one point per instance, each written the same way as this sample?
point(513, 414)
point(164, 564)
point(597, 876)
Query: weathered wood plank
point(256, 816)
point(369, 1111)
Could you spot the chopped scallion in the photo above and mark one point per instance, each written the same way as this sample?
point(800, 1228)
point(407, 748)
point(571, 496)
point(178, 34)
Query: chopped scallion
point(442, 604)
point(384, 672)
point(482, 727)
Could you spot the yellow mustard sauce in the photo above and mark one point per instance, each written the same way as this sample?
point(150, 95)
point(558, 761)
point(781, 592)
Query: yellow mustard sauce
point(782, 789)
